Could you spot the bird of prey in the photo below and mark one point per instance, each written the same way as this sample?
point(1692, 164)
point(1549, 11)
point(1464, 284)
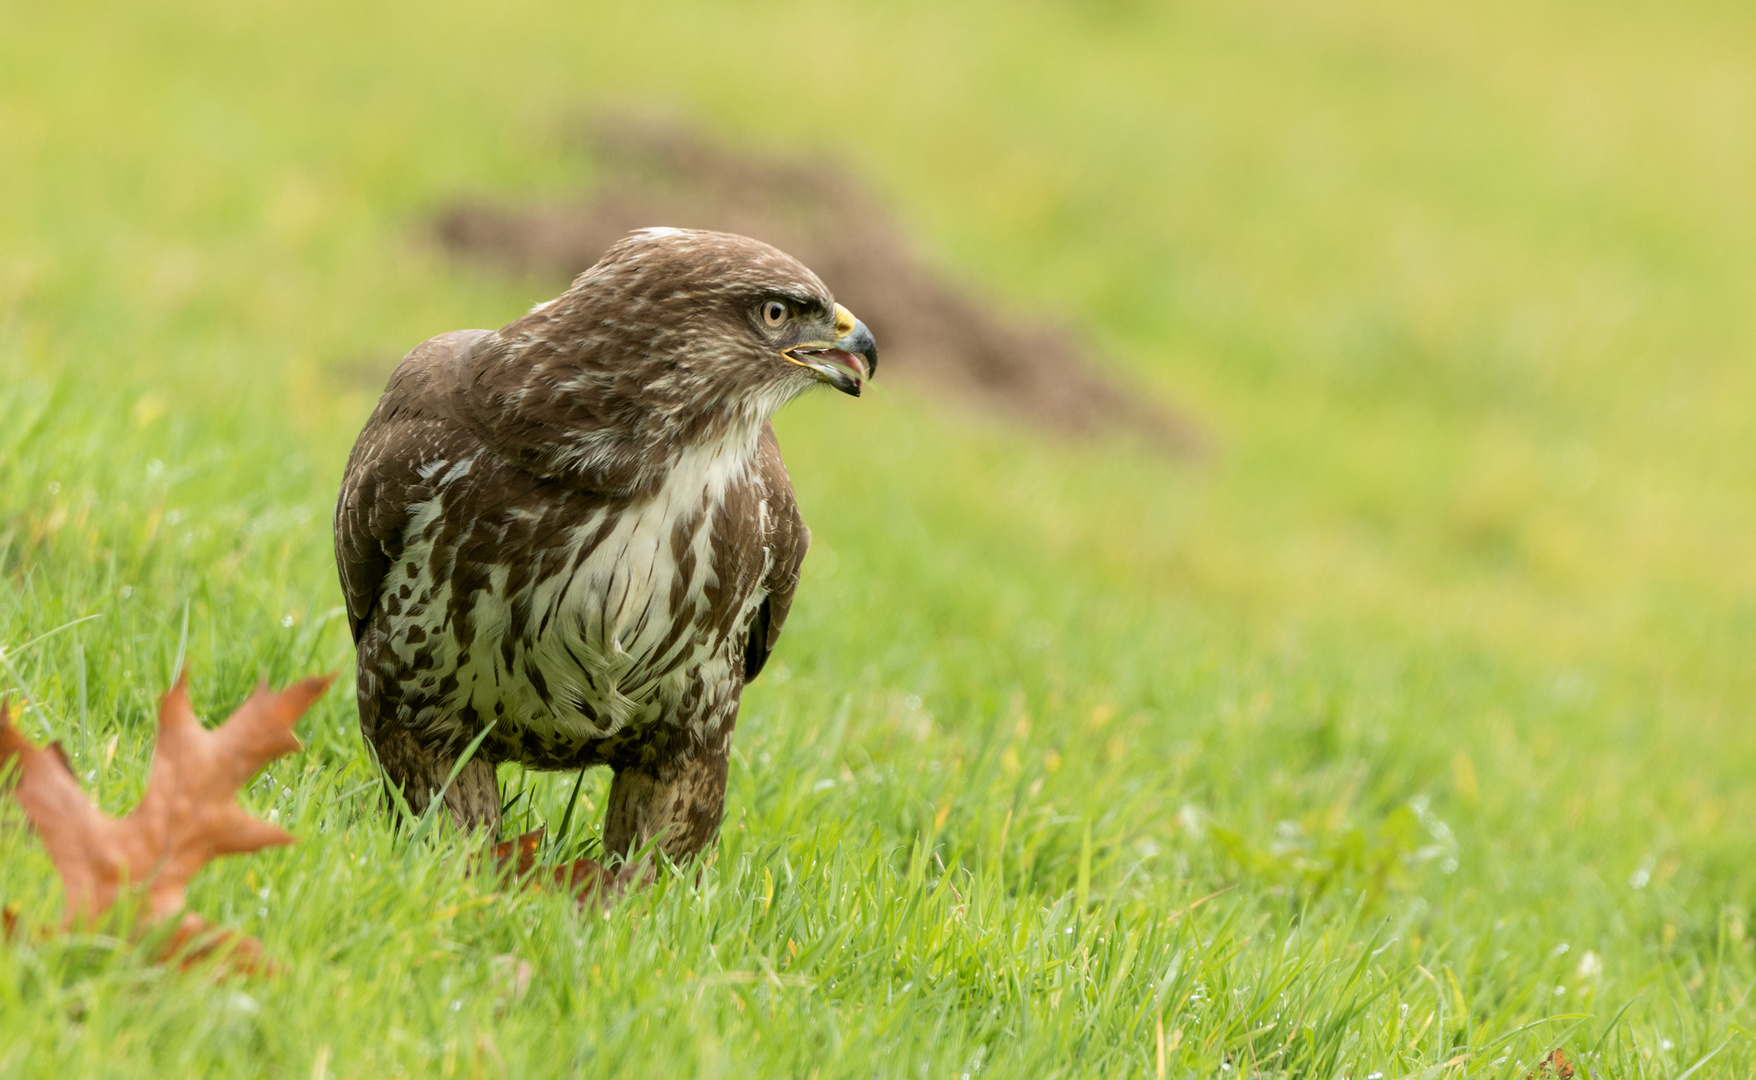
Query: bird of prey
point(576, 533)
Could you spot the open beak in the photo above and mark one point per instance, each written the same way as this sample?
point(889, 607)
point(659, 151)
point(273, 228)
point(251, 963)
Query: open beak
point(845, 363)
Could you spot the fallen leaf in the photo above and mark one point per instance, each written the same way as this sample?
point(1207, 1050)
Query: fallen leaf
point(518, 855)
point(188, 816)
point(194, 940)
point(585, 880)
point(1554, 1067)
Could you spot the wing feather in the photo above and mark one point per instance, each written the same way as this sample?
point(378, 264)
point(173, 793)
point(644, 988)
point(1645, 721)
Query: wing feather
point(787, 539)
point(384, 478)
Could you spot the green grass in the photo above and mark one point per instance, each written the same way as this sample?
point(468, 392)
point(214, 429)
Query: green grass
point(1437, 672)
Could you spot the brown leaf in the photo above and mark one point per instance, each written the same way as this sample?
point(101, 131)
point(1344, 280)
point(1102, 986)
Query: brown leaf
point(586, 880)
point(188, 816)
point(1554, 1067)
point(194, 940)
point(519, 855)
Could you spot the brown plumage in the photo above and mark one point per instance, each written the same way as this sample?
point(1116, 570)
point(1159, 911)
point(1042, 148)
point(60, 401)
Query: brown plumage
point(578, 529)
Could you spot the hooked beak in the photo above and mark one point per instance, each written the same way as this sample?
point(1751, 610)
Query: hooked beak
point(845, 363)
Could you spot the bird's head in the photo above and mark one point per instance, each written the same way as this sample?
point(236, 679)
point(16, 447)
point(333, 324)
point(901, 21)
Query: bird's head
point(825, 340)
point(675, 336)
point(735, 313)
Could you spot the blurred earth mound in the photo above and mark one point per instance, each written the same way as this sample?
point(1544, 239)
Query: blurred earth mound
point(929, 331)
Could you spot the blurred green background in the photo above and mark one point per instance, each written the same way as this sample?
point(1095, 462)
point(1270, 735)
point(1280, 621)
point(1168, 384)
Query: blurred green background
point(1444, 647)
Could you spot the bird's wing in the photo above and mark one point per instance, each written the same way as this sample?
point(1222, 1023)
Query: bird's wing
point(389, 468)
point(786, 539)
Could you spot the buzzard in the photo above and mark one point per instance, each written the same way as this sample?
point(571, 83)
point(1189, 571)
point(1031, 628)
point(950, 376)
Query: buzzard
point(574, 537)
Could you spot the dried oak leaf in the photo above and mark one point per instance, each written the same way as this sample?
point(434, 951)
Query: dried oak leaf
point(188, 816)
point(193, 939)
point(586, 880)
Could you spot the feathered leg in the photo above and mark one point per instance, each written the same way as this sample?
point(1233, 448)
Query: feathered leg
point(416, 765)
point(677, 799)
point(419, 771)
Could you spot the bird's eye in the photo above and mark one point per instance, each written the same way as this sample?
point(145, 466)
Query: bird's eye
point(774, 313)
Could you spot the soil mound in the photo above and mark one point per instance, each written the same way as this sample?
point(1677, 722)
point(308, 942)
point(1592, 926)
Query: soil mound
point(929, 330)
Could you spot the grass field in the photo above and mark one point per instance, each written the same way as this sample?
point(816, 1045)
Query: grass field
point(1408, 734)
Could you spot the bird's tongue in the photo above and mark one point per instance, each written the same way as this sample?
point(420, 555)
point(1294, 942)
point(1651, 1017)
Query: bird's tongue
point(840, 358)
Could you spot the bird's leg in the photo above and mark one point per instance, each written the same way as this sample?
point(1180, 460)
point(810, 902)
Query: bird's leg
point(419, 770)
point(676, 800)
point(670, 803)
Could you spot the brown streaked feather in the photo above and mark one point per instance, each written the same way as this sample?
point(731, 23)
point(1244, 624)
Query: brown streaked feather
point(787, 540)
point(409, 426)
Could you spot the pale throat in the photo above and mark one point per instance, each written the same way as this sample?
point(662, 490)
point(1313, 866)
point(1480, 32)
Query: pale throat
point(741, 436)
point(711, 465)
